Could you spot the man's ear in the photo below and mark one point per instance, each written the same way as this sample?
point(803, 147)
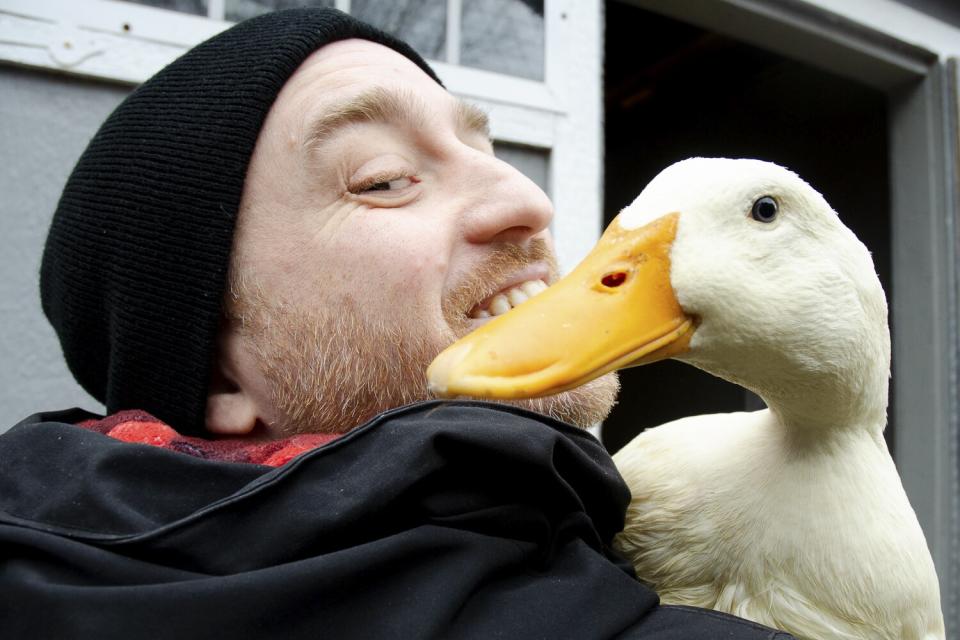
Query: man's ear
point(231, 407)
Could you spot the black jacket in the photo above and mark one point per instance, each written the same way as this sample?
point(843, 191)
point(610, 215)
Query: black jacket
point(437, 520)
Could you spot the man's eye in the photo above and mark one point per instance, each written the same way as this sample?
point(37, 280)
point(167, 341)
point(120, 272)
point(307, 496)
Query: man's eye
point(384, 185)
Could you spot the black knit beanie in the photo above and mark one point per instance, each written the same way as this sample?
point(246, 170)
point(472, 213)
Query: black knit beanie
point(135, 264)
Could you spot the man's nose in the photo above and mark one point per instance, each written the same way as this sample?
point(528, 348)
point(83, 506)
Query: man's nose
point(505, 205)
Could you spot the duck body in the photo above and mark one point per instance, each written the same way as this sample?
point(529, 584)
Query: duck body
point(729, 513)
point(793, 516)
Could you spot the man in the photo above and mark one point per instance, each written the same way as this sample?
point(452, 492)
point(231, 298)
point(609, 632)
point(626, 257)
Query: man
point(265, 245)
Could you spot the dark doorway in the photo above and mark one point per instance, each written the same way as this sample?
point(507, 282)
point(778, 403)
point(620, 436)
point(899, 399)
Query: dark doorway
point(674, 91)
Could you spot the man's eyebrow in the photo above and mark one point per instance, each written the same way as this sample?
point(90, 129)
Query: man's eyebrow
point(472, 118)
point(380, 105)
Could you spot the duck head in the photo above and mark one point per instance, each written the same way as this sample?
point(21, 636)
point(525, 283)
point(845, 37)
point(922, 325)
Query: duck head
point(738, 267)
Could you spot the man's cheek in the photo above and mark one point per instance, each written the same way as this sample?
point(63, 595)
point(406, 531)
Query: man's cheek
point(434, 264)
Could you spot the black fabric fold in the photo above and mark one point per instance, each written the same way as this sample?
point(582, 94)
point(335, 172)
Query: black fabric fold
point(437, 520)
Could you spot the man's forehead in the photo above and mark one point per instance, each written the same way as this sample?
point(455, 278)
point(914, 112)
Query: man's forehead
point(342, 66)
point(354, 81)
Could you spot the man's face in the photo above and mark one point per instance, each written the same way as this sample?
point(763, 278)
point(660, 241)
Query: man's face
point(375, 228)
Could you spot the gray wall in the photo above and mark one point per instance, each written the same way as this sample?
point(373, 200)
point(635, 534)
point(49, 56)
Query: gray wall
point(46, 121)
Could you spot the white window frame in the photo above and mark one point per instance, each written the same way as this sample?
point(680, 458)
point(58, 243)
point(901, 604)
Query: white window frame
point(127, 43)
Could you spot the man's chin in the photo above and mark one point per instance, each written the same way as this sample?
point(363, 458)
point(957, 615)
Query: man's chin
point(583, 407)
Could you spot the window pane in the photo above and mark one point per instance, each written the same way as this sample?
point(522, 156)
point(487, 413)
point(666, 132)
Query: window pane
point(420, 23)
point(237, 10)
point(505, 36)
point(530, 161)
point(196, 7)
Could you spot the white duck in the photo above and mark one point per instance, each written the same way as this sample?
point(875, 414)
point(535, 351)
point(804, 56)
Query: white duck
point(793, 516)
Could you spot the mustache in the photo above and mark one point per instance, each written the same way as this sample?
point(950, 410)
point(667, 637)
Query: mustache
point(487, 277)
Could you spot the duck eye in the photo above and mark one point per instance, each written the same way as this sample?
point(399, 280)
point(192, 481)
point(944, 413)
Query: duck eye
point(765, 209)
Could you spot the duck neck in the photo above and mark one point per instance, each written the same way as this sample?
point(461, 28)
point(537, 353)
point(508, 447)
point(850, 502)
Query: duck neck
point(839, 401)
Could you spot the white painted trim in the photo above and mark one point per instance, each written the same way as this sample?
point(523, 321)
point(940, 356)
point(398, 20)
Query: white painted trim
point(518, 125)
point(497, 87)
point(216, 9)
point(454, 16)
point(573, 73)
point(144, 23)
point(126, 42)
point(82, 51)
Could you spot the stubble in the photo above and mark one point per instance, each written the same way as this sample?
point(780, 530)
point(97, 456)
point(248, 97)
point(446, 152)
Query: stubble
point(330, 370)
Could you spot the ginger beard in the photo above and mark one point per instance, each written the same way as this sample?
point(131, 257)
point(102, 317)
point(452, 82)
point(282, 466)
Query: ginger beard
point(330, 372)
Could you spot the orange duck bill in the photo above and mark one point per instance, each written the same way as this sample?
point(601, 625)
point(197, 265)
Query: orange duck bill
point(617, 309)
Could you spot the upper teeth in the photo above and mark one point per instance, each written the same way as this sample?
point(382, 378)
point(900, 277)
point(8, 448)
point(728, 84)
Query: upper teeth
point(503, 302)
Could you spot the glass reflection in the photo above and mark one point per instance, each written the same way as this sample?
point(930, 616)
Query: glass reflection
point(196, 7)
point(237, 10)
point(421, 23)
point(506, 36)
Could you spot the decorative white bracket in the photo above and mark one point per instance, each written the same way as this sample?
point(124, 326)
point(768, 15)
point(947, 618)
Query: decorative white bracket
point(110, 40)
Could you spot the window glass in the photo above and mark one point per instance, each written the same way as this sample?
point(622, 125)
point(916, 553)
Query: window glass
point(532, 162)
point(506, 36)
point(196, 7)
point(237, 10)
point(420, 23)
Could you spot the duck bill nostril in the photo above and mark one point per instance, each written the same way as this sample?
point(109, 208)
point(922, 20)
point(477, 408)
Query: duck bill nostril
point(614, 279)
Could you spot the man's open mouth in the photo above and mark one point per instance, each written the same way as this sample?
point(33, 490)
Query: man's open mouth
point(499, 303)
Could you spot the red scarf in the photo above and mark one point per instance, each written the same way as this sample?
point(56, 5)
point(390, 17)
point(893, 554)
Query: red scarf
point(142, 428)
